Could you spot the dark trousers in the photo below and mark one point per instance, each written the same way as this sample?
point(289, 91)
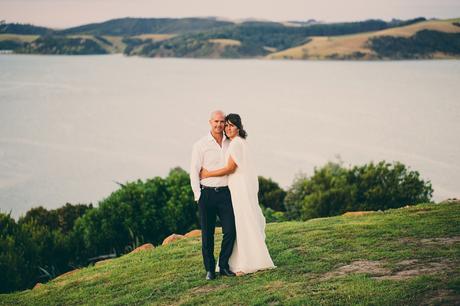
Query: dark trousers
point(214, 203)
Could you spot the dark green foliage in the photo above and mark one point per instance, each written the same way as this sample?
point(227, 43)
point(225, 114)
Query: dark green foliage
point(271, 195)
point(138, 26)
point(10, 44)
point(149, 210)
point(402, 23)
point(41, 216)
point(23, 29)
point(273, 215)
point(421, 45)
point(333, 190)
point(18, 256)
point(61, 219)
point(39, 246)
point(63, 45)
point(255, 37)
point(182, 46)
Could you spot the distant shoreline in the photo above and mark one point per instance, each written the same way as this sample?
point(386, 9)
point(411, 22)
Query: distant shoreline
point(369, 40)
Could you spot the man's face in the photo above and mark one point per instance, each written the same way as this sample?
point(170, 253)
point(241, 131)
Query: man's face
point(217, 123)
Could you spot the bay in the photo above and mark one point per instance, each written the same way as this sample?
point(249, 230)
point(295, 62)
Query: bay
point(72, 126)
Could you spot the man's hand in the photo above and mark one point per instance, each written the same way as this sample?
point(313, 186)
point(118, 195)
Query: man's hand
point(204, 173)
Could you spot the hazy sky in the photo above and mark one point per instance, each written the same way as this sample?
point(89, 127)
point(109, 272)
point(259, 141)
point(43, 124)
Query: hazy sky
point(65, 13)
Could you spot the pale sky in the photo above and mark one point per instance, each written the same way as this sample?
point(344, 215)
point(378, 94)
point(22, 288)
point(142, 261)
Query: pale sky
point(67, 13)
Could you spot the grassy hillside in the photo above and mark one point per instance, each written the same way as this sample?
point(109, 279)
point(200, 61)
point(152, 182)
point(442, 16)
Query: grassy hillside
point(211, 38)
point(138, 26)
point(406, 256)
point(356, 46)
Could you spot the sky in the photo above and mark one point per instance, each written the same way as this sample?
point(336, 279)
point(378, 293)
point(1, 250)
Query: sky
point(68, 13)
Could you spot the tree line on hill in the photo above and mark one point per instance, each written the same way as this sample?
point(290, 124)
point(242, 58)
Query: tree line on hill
point(45, 243)
point(422, 45)
point(193, 37)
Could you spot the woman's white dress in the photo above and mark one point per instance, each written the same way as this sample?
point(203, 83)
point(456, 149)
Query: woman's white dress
point(250, 253)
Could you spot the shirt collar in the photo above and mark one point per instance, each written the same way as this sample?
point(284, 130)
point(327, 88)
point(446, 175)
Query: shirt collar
point(210, 138)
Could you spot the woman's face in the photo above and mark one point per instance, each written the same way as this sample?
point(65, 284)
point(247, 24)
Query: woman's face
point(231, 130)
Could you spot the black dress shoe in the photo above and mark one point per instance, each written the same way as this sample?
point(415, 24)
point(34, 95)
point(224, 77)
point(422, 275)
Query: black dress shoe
point(226, 272)
point(210, 275)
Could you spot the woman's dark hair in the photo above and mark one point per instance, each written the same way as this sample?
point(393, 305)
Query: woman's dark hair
point(235, 119)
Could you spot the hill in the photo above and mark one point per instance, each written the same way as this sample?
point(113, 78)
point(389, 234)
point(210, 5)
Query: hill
point(359, 46)
point(139, 26)
point(209, 38)
point(23, 29)
point(407, 256)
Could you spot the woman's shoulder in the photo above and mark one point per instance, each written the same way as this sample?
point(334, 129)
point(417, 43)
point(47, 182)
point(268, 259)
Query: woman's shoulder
point(238, 141)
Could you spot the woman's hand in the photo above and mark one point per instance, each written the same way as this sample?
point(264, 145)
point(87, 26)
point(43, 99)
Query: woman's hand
point(204, 173)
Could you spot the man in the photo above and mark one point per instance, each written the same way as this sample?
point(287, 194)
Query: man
point(213, 196)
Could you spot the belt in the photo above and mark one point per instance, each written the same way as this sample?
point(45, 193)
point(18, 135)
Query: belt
point(215, 189)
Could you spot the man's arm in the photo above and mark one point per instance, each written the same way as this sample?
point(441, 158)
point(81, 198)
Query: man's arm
point(229, 169)
point(195, 167)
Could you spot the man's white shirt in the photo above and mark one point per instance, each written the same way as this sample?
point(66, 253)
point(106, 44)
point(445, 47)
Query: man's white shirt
point(208, 154)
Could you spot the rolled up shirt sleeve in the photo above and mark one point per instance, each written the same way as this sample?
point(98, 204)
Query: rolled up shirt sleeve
point(195, 168)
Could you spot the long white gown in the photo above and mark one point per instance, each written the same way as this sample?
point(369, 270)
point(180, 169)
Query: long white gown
point(250, 253)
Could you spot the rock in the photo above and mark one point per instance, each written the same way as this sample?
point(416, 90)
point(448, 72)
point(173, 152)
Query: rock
point(172, 238)
point(147, 246)
point(37, 285)
point(357, 213)
point(194, 233)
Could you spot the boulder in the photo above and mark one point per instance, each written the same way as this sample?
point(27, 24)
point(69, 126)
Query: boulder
point(37, 285)
point(172, 238)
point(147, 246)
point(194, 233)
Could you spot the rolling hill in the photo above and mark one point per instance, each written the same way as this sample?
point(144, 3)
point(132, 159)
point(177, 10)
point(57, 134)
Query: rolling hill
point(212, 38)
point(407, 256)
point(357, 46)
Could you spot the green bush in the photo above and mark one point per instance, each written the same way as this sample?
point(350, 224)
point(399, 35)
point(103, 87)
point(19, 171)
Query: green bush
point(271, 195)
point(149, 211)
point(333, 190)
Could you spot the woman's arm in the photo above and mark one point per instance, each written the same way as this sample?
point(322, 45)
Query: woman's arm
point(230, 168)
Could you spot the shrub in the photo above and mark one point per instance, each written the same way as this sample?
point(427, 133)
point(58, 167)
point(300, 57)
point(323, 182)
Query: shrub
point(333, 190)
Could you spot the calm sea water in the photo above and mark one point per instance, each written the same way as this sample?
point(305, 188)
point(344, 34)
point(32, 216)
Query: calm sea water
point(71, 126)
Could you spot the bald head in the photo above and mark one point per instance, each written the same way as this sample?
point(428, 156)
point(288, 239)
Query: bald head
point(217, 113)
point(217, 123)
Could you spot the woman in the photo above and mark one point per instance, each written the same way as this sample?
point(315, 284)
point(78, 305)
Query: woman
point(250, 252)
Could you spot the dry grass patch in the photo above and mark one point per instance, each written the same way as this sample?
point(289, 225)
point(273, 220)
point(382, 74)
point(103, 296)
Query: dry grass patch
point(404, 269)
point(155, 37)
point(347, 45)
point(225, 42)
point(430, 241)
point(412, 268)
point(17, 37)
point(374, 268)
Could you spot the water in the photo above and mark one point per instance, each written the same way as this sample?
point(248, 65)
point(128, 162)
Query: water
point(72, 125)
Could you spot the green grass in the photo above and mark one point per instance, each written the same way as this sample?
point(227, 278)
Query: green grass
point(303, 251)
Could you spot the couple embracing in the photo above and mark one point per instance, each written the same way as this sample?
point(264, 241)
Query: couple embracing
point(225, 184)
